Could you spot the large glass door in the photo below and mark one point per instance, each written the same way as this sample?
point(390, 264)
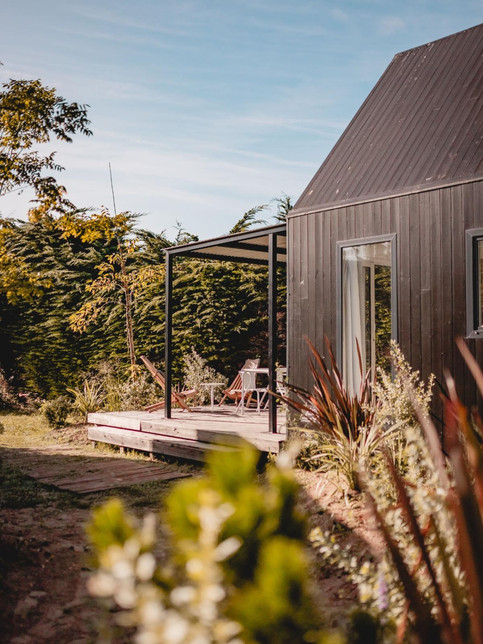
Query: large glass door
point(367, 316)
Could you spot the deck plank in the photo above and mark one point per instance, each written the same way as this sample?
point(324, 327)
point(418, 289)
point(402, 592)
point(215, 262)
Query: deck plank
point(157, 444)
point(221, 426)
point(74, 470)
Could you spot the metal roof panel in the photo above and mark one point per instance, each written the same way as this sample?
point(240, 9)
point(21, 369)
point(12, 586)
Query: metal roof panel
point(421, 126)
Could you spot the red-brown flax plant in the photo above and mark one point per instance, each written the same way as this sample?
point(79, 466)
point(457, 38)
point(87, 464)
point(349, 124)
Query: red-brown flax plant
point(341, 422)
point(449, 610)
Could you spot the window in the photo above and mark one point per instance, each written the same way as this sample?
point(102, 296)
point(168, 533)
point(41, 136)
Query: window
point(367, 305)
point(474, 283)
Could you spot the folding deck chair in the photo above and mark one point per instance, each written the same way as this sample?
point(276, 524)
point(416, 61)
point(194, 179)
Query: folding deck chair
point(233, 392)
point(177, 397)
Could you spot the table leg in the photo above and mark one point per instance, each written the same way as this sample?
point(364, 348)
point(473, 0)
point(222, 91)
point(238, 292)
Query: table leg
point(212, 397)
point(242, 401)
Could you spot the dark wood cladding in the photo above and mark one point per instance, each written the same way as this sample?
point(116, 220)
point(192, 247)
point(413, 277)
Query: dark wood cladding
point(421, 126)
point(430, 232)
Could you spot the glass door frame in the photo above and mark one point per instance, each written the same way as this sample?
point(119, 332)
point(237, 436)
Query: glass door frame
point(363, 241)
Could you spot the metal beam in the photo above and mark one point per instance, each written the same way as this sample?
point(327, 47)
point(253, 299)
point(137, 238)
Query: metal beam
point(224, 258)
point(272, 329)
point(183, 249)
point(168, 323)
point(258, 248)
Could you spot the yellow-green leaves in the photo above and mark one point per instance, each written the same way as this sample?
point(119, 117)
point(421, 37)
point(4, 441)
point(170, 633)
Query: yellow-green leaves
point(33, 114)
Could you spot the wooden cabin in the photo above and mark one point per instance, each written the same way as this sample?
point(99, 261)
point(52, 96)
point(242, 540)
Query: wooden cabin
point(386, 241)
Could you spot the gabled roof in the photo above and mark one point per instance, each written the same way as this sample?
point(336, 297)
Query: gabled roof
point(421, 126)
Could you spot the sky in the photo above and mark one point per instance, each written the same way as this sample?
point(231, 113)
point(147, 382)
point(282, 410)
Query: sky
point(207, 108)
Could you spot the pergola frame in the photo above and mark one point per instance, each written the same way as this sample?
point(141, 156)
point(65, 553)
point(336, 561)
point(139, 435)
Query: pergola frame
point(265, 246)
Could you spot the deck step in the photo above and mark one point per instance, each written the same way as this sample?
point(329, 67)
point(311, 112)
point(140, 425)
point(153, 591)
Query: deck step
point(210, 429)
point(154, 443)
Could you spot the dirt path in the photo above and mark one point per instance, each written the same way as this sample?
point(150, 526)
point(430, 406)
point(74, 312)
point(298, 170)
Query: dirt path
point(44, 554)
point(43, 560)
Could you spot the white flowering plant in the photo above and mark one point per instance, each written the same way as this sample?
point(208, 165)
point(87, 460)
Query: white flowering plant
point(237, 561)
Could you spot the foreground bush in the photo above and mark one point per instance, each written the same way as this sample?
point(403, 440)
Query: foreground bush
point(237, 570)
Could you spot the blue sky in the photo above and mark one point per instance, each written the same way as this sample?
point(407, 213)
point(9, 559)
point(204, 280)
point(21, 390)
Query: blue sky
point(207, 108)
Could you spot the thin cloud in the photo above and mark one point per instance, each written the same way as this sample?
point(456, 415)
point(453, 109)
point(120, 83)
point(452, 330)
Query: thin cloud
point(390, 25)
point(339, 15)
point(117, 19)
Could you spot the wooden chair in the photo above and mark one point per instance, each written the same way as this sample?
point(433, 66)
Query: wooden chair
point(177, 397)
point(233, 392)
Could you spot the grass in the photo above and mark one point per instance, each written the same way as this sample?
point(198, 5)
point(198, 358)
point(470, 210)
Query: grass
point(18, 490)
point(22, 430)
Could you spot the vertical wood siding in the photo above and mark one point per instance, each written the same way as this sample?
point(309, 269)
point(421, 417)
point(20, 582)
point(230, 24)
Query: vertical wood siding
point(430, 228)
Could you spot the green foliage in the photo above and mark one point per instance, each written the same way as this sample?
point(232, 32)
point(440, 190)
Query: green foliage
point(284, 206)
point(33, 114)
point(8, 399)
point(118, 279)
point(56, 411)
point(87, 399)
point(109, 526)
point(138, 392)
point(67, 268)
point(249, 219)
point(48, 355)
point(111, 387)
point(428, 583)
point(398, 393)
point(236, 547)
point(196, 372)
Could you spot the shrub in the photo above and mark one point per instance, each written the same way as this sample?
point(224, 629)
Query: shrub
point(8, 400)
point(138, 392)
point(196, 372)
point(429, 580)
point(87, 399)
point(341, 425)
point(115, 389)
point(396, 395)
point(238, 570)
point(56, 411)
point(110, 377)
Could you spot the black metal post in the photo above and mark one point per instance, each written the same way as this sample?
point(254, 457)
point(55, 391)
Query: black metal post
point(168, 320)
point(272, 329)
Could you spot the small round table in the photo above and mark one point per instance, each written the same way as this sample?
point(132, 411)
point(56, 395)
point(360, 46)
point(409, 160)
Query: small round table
point(212, 386)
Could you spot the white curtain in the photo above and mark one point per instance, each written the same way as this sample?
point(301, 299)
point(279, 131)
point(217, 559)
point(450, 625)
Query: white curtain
point(356, 260)
point(353, 319)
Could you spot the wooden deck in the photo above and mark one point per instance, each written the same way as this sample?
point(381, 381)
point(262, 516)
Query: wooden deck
point(186, 435)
